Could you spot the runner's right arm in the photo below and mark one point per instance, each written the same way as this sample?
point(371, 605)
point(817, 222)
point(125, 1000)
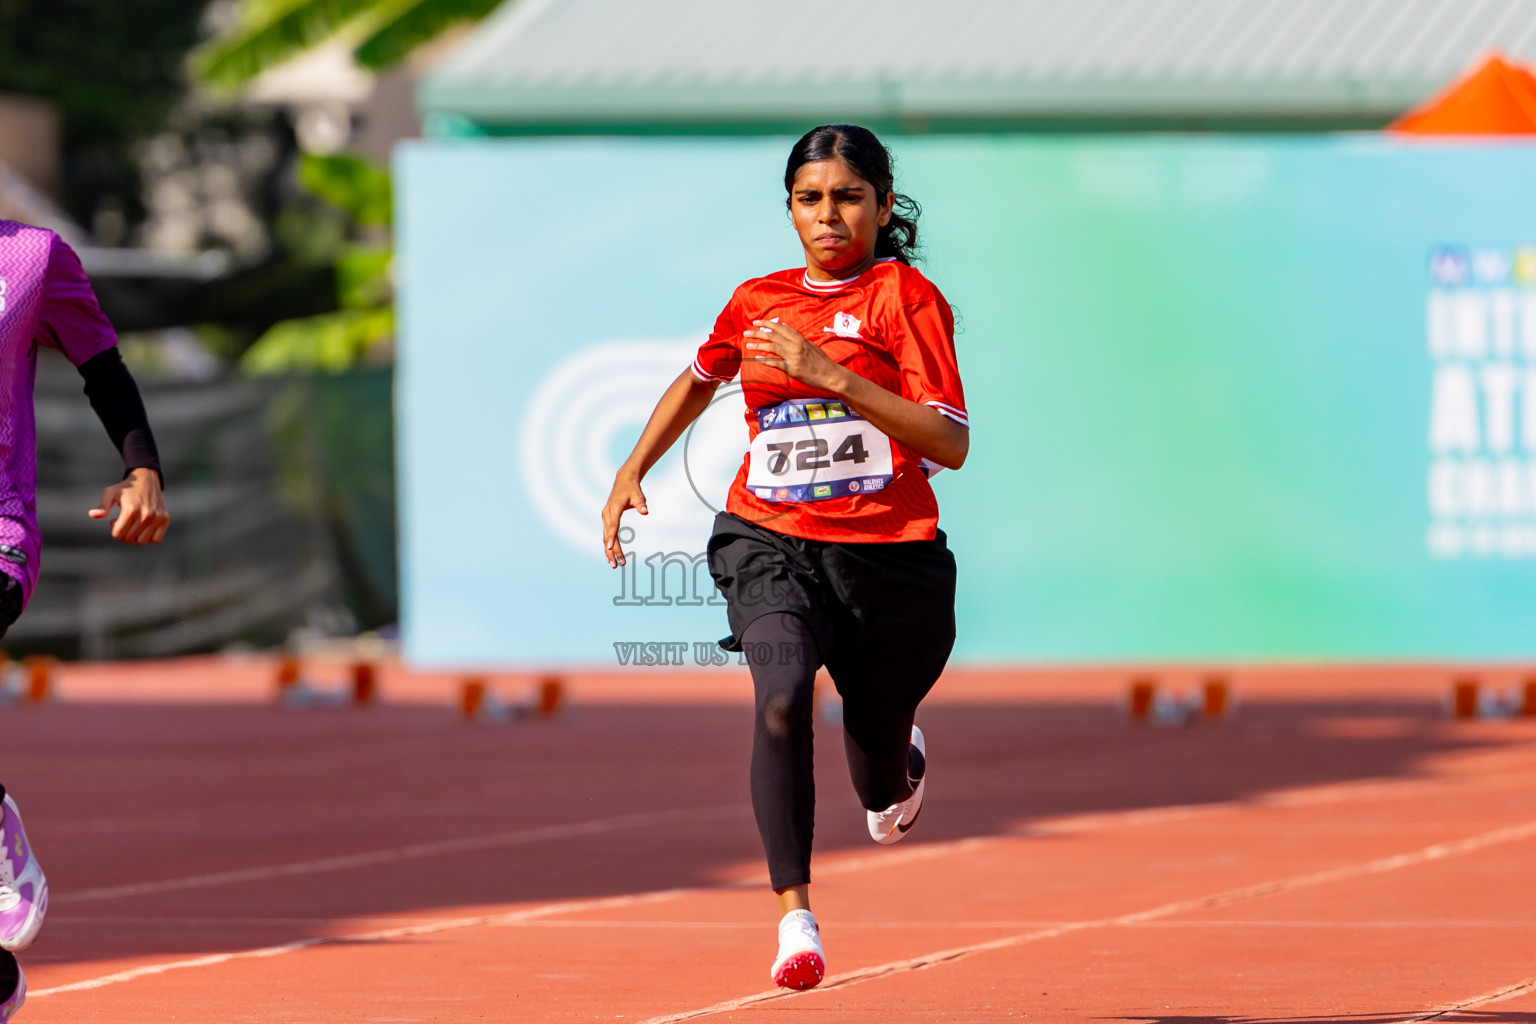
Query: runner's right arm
point(684, 400)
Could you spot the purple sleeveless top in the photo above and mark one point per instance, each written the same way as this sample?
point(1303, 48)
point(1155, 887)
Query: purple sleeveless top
point(45, 299)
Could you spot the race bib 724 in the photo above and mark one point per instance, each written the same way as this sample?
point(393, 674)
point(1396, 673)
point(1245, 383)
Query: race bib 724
point(812, 449)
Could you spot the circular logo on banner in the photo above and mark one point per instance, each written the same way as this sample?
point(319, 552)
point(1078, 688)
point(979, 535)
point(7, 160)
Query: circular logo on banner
point(584, 417)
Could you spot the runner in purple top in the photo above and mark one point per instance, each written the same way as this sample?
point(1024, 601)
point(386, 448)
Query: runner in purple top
point(45, 299)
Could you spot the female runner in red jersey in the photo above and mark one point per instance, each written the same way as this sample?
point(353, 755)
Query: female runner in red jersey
point(829, 551)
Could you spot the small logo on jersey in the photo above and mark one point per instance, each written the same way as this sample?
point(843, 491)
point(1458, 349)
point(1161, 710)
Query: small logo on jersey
point(873, 484)
point(816, 411)
point(836, 411)
point(844, 326)
point(782, 493)
point(853, 485)
point(766, 493)
point(2, 295)
point(822, 490)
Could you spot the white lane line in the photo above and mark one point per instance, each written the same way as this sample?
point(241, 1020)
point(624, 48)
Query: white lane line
point(1391, 863)
point(756, 923)
point(400, 854)
point(382, 935)
point(982, 926)
point(1497, 995)
point(1074, 824)
point(1438, 851)
point(1067, 824)
point(1238, 922)
point(1062, 825)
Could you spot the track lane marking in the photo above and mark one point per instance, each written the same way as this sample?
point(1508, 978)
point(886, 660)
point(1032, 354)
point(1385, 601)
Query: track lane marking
point(401, 854)
point(1438, 851)
point(1379, 865)
point(1497, 995)
point(756, 924)
point(382, 935)
point(1051, 826)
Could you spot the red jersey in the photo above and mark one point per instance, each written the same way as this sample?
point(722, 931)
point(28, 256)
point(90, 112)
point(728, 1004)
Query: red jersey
point(889, 325)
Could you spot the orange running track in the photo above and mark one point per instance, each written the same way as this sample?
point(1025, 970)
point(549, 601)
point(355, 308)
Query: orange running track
point(1338, 850)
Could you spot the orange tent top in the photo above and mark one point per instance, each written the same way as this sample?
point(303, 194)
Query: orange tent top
point(1499, 98)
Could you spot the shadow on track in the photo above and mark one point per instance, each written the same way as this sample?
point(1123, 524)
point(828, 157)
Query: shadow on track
point(116, 795)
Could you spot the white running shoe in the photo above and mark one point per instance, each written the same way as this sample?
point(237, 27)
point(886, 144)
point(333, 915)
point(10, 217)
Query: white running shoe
point(801, 964)
point(891, 825)
point(23, 889)
point(18, 996)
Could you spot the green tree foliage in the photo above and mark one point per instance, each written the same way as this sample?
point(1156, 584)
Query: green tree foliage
point(328, 343)
point(269, 32)
point(365, 323)
point(415, 23)
point(359, 187)
point(272, 31)
point(114, 67)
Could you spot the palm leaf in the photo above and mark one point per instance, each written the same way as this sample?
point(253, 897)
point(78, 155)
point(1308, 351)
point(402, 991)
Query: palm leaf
point(288, 27)
point(328, 343)
point(416, 24)
point(352, 183)
point(363, 278)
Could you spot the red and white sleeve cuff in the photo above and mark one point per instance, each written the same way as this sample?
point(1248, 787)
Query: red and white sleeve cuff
point(947, 410)
point(699, 372)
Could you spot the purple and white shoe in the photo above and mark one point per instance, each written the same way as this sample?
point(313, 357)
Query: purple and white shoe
point(23, 889)
point(18, 993)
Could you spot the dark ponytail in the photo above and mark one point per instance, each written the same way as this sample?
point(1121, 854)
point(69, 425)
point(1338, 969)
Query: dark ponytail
point(868, 158)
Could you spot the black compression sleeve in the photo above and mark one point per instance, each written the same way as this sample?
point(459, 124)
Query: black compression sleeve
point(115, 397)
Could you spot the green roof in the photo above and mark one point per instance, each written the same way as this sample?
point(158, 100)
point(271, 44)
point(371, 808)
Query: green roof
point(935, 65)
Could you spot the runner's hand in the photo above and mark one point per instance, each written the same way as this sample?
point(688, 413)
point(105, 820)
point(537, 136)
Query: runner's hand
point(788, 350)
point(143, 519)
point(626, 494)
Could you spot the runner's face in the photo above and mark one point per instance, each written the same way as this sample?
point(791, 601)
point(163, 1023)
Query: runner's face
point(837, 216)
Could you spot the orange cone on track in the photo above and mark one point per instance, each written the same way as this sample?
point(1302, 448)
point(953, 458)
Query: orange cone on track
point(1143, 696)
point(472, 698)
point(365, 689)
point(287, 676)
point(1215, 697)
point(551, 696)
point(1464, 698)
point(39, 678)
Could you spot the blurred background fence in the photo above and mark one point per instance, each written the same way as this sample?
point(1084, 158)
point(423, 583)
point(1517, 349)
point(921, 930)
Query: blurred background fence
point(283, 491)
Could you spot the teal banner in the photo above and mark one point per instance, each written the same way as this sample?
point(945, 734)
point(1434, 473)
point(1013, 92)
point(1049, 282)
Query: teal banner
point(1230, 398)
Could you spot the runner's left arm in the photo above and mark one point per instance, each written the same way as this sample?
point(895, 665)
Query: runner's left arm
point(71, 321)
point(114, 396)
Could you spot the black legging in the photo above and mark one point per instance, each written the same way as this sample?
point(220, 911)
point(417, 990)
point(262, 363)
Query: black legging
point(877, 729)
